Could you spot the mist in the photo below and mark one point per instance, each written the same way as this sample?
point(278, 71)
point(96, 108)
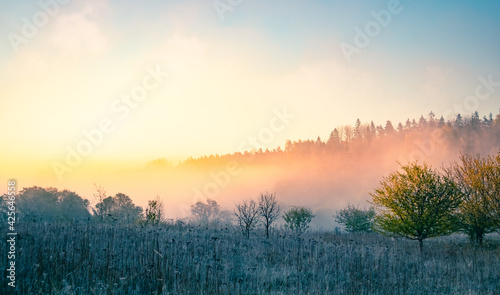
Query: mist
point(324, 175)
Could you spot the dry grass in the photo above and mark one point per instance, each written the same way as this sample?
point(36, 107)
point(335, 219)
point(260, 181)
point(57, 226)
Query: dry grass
point(104, 259)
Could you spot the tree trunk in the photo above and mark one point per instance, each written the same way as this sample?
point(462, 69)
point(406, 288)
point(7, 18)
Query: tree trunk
point(420, 245)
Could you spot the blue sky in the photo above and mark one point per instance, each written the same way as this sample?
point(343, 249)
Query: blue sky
point(227, 76)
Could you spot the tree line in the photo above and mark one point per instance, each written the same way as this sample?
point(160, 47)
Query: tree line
point(250, 213)
point(465, 132)
point(419, 202)
point(37, 204)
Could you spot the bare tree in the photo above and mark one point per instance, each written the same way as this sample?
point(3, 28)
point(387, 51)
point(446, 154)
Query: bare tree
point(247, 213)
point(99, 196)
point(269, 210)
point(348, 133)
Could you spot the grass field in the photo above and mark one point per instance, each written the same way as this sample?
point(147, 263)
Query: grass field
point(106, 259)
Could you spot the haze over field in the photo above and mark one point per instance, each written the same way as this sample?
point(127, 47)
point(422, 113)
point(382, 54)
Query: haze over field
point(99, 91)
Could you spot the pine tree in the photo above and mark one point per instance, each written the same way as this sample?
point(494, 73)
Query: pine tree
point(357, 130)
point(389, 129)
point(422, 122)
point(441, 122)
point(408, 124)
point(400, 128)
point(334, 139)
point(458, 121)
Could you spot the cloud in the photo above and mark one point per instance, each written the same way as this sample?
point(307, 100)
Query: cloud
point(74, 34)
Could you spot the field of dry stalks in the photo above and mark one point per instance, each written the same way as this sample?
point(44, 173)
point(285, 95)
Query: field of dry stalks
point(106, 259)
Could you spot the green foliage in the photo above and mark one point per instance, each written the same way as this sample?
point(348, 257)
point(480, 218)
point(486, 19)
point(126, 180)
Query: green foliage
point(495, 197)
point(119, 208)
point(49, 204)
point(416, 203)
point(72, 206)
point(298, 218)
point(355, 219)
point(479, 182)
point(154, 211)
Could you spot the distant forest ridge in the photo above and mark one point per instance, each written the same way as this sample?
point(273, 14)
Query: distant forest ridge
point(468, 134)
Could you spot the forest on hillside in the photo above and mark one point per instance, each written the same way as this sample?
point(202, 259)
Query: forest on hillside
point(327, 172)
point(332, 173)
point(68, 244)
point(466, 134)
point(60, 248)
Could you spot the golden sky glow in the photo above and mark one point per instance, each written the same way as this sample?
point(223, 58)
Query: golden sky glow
point(92, 61)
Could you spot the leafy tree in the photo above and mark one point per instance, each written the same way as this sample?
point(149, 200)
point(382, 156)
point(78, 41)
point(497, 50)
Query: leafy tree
point(4, 206)
point(298, 218)
point(105, 208)
point(416, 203)
point(125, 209)
point(119, 208)
point(269, 210)
point(38, 204)
point(72, 206)
point(479, 181)
point(154, 211)
point(495, 197)
point(247, 214)
point(204, 212)
point(49, 204)
point(355, 219)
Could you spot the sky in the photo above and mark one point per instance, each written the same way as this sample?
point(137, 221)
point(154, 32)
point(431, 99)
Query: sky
point(108, 83)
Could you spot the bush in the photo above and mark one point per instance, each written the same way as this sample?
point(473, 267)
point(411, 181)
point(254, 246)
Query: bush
point(298, 218)
point(355, 219)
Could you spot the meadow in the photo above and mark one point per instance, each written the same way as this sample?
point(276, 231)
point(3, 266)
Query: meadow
point(186, 259)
